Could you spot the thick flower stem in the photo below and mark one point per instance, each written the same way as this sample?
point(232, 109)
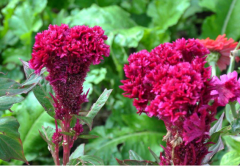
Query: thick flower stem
point(56, 156)
point(66, 140)
point(56, 150)
point(213, 64)
point(232, 62)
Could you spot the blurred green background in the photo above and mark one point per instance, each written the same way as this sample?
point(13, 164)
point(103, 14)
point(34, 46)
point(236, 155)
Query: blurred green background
point(131, 25)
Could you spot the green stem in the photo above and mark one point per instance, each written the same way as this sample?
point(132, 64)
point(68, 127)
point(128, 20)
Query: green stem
point(233, 109)
point(213, 64)
point(228, 17)
point(232, 63)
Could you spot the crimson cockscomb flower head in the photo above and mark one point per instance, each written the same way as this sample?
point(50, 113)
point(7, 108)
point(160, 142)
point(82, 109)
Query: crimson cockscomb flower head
point(171, 83)
point(137, 86)
point(67, 54)
point(169, 77)
point(220, 50)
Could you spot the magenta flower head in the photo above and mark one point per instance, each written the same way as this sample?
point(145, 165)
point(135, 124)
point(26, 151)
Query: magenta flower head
point(170, 78)
point(171, 83)
point(67, 54)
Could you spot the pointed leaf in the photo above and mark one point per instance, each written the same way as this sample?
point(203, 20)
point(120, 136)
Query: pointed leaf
point(213, 150)
point(86, 159)
point(67, 133)
point(230, 158)
point(134, 156)
point(26, 68)
point(41, 92)
point(224, 131)
point(217, 126)
point(47, 134)
point(236, 126)
point(166, 13)
point(79, 151)
point(135, 162)
point(99, 103)
point(9, 87)
point(224, 21)
point(85, 120)
point(6, 102)
point(32, 117)
point(154, 155)
point(10, 144)
point(229, 115)
point(87, 136)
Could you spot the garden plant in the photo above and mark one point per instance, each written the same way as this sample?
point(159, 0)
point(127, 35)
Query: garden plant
point(128, 82)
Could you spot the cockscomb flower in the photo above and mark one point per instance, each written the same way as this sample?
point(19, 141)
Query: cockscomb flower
point(67, 54)
point(220, 50)
point(172, 84)
point(169, 78)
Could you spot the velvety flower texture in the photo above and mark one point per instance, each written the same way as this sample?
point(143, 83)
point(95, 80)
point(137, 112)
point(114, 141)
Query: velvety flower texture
point(222, 47)
point(67, 54)
point(171, 83)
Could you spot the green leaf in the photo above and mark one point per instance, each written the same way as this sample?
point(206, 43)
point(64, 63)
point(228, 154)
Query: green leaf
point(227, 130)
point(46, 134)
point(225, 21)
point(129, 37)
point(211, 5)
point(153, 37)
point(78, 152)
point(105, 17)
point(231, 158)
point(154, 155)
point(6, 85)
point(166, 13)
point(85, 120)
point(32, 117)
point(135, 6)
point(10, 87)
point(233, 142)
point(41, 92)
point(134, 156)
point(135, 162)
point(37, 5)
point(217, 126)
point(26, 16)
point(99, 103)
point(86, 159)
point(116, 142)
point(10, 144)
point(87, 136)
point(11, 54)
point(28, 72)
point(229, 115)
point(6, 102)
point(192, 9)
point(95, 76)
point(213, 150)
point(67, 133)
point(7, 13)
point(236, 126)
point(131, 120)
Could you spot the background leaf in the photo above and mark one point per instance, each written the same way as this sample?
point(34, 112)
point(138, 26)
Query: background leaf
point(6, 102)
point(166, 13)
point(10, 144)
point(214, 25)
